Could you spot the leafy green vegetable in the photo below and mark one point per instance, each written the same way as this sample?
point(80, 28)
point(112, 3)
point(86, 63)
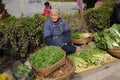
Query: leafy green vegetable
point(90, 57)
point(108, 38)
point(22, 70)
point(76, 35)
point(93, 56)
point(77, 60)
point(46, 56)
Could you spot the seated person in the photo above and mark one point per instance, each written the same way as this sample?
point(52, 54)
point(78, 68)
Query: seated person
point(57, 32)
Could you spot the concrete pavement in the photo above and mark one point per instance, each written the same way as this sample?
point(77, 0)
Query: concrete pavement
point(109, 71)
point(17, 7)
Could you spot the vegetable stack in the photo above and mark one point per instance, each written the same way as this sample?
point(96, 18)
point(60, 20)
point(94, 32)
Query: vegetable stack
point(47, 60)
point(108, 38)
point(76, 35)
point(92, 56)
point(46, 56)
point(81, 37)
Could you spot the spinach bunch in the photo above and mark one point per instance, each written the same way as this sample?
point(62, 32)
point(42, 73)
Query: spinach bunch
point(46, 56)
point(76, 35)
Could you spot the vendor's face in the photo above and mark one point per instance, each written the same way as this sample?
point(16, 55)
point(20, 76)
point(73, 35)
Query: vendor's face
point(54, 16)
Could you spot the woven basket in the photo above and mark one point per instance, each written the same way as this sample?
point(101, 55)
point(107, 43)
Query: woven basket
point(114, 52)
point(82, 41)
point(68, 71)
point(44, 72)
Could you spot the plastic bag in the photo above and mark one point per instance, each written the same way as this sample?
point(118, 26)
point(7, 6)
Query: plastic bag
point(6, 76)
point(22, 72)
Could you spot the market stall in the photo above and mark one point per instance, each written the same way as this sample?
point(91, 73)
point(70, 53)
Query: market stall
point(52, 63)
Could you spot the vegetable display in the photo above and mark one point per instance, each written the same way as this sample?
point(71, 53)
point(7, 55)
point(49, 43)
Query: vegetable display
point(46, 56)
point(78, 61)
point(76, 35)
point(108, 38)
point(93, 56)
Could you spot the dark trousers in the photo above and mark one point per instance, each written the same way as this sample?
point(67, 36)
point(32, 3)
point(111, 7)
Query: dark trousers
point(69, 49)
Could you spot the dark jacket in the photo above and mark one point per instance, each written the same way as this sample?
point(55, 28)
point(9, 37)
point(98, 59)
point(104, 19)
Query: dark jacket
point(56, 34)
point(90, 3)
point(115, 17)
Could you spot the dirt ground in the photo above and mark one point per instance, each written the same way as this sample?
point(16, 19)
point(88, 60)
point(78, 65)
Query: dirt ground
point(5, 63)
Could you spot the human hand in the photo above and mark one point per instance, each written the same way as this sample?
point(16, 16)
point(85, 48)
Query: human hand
point(65, 43)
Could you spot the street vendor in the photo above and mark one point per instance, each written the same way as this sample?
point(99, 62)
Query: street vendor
point(57, 32)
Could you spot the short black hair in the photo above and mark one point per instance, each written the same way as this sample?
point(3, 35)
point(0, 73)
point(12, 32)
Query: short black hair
point(46, 3)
